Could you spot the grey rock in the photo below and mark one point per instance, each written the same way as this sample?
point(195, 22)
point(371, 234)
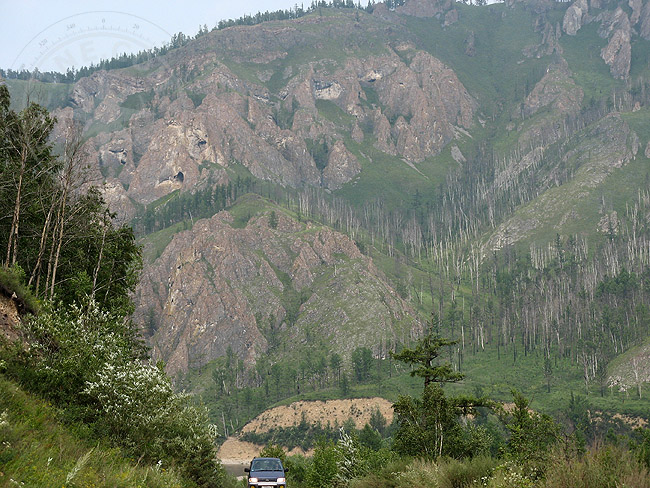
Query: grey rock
point(341, 167)
point(618, 54)
point(644, 22)
point(573, 18)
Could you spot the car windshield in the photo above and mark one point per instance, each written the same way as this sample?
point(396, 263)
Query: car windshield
point(266, 465)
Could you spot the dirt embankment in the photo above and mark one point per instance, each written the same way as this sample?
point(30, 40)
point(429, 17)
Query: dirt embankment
point(235, 451)
point(9, 318)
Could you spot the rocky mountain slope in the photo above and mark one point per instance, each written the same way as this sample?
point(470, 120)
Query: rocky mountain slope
point(254, 96)
point(432, 125)
point(265, 288)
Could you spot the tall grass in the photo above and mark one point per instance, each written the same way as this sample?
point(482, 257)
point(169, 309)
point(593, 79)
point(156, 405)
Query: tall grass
point(445, 473)
point(37, 451)
point(601, 467)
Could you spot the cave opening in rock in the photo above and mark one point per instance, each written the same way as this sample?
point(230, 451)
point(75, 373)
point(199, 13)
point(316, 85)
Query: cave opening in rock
point(180, 176)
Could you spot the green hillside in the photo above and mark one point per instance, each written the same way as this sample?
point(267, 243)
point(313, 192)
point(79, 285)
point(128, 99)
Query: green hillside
point(37, 450)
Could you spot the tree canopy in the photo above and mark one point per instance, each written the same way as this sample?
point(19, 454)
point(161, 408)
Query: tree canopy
point(55, 226)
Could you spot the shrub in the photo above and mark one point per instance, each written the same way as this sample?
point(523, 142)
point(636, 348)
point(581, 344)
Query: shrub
point(141, 411)
point(323, 468)
point(601, 467)
point(350, 463)
point(11, 282)
point(68, 347)
point(89, 361)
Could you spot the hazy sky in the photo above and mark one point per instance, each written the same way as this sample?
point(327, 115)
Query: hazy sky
point(57, 34)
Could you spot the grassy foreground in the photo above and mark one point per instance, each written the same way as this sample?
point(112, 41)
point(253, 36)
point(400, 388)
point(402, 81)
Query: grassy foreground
point(36, 450)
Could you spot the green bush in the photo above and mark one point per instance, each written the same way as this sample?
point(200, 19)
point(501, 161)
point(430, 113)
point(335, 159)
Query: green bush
point(323, 468)
point(11, 282)
point(89, 361)
point(67, 348)
point(602, 467)
point(140, 410)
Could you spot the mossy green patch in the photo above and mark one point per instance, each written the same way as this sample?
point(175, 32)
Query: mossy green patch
point(154, 244)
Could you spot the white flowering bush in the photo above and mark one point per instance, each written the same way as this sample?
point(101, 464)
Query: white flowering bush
point(508, 475)
point(90, 362)
point(67, 348)
point(351, 462)
point(141, 411)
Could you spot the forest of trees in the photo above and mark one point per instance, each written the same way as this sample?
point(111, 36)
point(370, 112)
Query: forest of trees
point(54, 226)
point(442, 440)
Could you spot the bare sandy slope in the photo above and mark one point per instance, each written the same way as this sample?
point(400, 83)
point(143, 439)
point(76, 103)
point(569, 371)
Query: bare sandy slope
point(235, 451)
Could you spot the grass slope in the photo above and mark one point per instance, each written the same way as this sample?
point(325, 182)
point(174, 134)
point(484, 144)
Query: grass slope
point(36, 450)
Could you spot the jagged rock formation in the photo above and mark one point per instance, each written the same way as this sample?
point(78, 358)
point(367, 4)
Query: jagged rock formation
point(574, 17)
point(557, 89)
point(644, 22)
point(341, 167)
point(219, 285)
point(163, 128)
point(636, 6)
point(618, 52)
point(615, 26)
point(550, 40)
point(178, 122)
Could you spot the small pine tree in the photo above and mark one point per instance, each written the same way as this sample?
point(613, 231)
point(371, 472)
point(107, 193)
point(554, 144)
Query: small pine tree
point(273, 220)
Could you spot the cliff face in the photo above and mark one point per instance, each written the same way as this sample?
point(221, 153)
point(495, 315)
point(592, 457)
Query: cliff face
point(614, 25)
point(249, 96)
point(254, 287)
point(263, 96)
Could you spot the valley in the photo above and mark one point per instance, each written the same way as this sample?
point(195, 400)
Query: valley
point(313, 194)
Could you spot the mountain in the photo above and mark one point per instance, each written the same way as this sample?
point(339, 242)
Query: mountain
point(489, 163)
point(261, 286)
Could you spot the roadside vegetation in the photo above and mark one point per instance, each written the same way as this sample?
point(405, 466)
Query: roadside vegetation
point(439, 440)
point(71, 273)
point(37, 450)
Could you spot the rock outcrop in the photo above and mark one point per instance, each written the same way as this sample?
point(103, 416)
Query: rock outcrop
point(644, 22)
point(341, 167)
point(159, 138)
point(220, 285)
point(9, 318)
point(556, 88)
point(618, 52)
point(550, 41)
point(574, 17)
point(636, 6)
